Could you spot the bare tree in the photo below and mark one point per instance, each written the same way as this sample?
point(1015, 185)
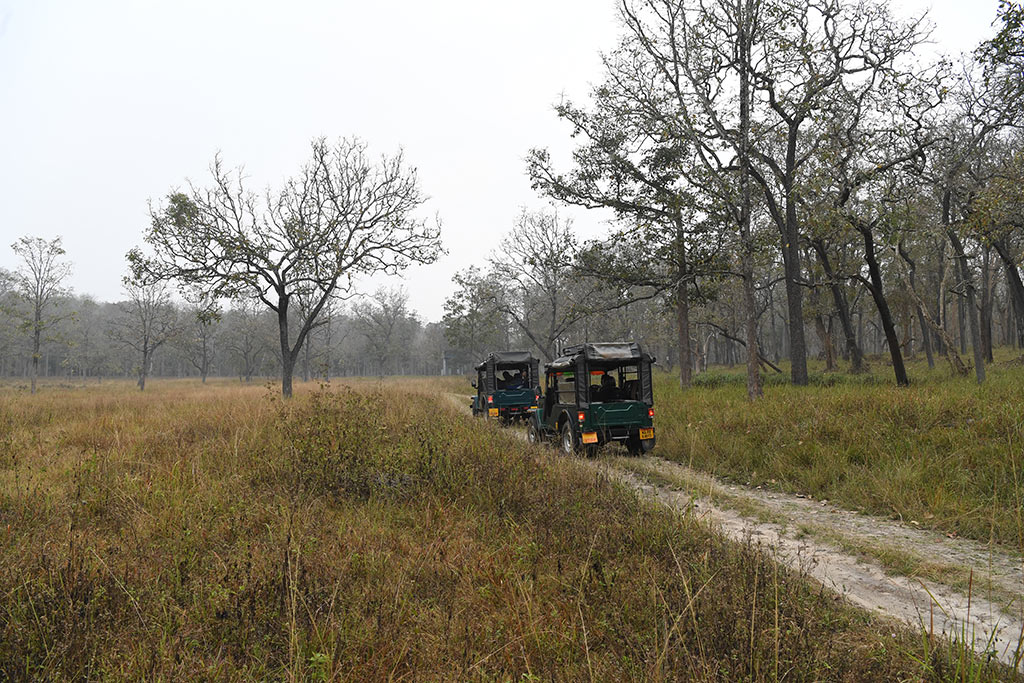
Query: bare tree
point(343, 215)
point(380, 320)
point(532, 272)
point(39, 281)
point(202, 318)
point(148, 320)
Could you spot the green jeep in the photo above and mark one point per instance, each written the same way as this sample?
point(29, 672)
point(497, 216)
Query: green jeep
point(595, 394)
point(507, 386)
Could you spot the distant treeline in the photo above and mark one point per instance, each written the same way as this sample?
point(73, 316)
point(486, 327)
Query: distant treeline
point(379, 336)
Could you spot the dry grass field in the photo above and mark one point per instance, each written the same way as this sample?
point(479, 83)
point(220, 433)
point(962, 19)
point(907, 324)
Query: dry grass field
point(370, 531)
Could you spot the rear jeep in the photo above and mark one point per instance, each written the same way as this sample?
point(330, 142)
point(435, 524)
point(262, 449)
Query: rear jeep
point(507, 386)
point(597, 393)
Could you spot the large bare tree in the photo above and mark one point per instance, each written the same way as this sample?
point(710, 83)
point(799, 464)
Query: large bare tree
point(39, 280)
point(343, 215)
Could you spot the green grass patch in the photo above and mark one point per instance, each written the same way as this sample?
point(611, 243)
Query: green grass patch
point(943, 451)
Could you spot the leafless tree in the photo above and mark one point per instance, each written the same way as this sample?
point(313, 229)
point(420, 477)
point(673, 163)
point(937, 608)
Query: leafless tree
point(533, 272)
point(148, 320)
point(380, 319)
point(343, 215)
point(201, 319)
point(39, 280)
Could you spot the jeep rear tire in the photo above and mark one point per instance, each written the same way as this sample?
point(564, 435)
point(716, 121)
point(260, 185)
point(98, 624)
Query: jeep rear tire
point(533, 434)
point(567, 439)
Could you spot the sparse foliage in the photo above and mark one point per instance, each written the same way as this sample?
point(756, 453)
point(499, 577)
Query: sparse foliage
point(39, 282)
point(343, 215)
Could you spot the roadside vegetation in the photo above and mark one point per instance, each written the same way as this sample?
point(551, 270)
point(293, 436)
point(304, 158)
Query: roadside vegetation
point(372, 531)
point(943, 453)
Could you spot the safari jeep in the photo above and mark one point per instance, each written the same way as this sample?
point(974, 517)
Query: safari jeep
point(507, 386)
point(595, 394)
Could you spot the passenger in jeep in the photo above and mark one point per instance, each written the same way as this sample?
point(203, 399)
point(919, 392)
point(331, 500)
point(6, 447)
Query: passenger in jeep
point(608, 391)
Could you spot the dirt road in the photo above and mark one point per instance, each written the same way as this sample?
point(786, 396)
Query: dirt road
point(966, 590)
point(794, 530)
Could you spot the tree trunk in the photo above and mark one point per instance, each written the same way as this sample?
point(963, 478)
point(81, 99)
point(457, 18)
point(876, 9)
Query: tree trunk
point(305, 361)
point(287, 370)
point(986, 304)
point(878, 294)
point(961, 325)
point(792, 270)
point(972, 311)
point(35, 354)
point(794, 307)
point(143, 369)
point(926, 337)
point(943, 341)
point(683, 332)
point(683, 309)
point(826, 343)
point(843, 308)
point(1015, 286)
point(287, 361)
point(754, 388)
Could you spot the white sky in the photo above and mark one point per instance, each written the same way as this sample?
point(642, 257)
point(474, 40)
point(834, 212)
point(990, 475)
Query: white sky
point(108, 103)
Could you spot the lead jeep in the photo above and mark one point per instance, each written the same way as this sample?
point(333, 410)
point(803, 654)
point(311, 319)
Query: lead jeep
point(594, 394)
point(507, 386)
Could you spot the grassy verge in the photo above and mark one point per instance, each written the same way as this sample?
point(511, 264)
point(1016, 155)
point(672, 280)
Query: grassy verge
point(369, 533)
point(944, 452)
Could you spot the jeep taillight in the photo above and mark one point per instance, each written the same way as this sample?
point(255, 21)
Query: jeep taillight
point(490, 399)
point(580, 415)
point(650, 412)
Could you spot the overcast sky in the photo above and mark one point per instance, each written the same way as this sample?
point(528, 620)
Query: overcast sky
point(108, 103)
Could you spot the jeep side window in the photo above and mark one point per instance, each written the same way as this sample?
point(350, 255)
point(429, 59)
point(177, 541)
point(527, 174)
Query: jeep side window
point(567, 387)
point(630, 387)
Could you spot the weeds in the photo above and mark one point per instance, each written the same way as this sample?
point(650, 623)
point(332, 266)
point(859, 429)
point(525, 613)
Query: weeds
point(371, 533)
point(943, 451)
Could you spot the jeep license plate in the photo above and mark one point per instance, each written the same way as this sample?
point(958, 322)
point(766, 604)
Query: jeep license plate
point(647, 433)
point(589, 437)
point(493, 412)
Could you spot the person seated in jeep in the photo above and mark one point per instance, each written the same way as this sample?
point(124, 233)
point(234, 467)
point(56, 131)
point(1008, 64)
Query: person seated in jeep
point(517, 381)
point(608, 391)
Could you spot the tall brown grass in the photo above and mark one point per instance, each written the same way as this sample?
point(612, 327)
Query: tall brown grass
point(372, 532)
